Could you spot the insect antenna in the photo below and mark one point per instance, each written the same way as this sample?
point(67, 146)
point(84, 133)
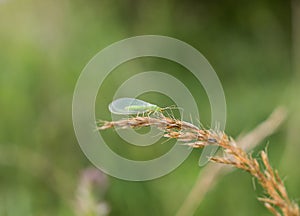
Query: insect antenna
point(172, 107)
point(170, 115)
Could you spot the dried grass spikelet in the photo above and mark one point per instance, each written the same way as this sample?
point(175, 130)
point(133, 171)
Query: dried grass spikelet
point(276, 199)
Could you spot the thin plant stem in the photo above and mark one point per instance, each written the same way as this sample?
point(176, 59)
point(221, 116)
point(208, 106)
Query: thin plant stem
point(276, 198)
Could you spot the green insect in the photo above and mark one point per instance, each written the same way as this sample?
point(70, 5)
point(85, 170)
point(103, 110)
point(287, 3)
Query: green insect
point(131, 106)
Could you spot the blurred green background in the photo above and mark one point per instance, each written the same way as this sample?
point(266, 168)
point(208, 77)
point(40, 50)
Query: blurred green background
point(252, 45)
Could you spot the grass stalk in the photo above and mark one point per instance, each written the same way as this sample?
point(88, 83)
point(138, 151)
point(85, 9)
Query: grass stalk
point(275, 199)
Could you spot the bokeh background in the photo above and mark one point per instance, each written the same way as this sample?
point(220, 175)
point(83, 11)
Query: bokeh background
point(44, 45)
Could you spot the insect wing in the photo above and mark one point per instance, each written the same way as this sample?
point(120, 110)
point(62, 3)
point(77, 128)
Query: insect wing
point(126, 106)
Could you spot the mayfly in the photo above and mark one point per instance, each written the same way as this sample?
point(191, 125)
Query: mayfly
point(131, 106)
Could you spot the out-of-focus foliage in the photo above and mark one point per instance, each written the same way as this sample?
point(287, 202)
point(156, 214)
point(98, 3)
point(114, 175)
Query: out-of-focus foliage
point(45, 45)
